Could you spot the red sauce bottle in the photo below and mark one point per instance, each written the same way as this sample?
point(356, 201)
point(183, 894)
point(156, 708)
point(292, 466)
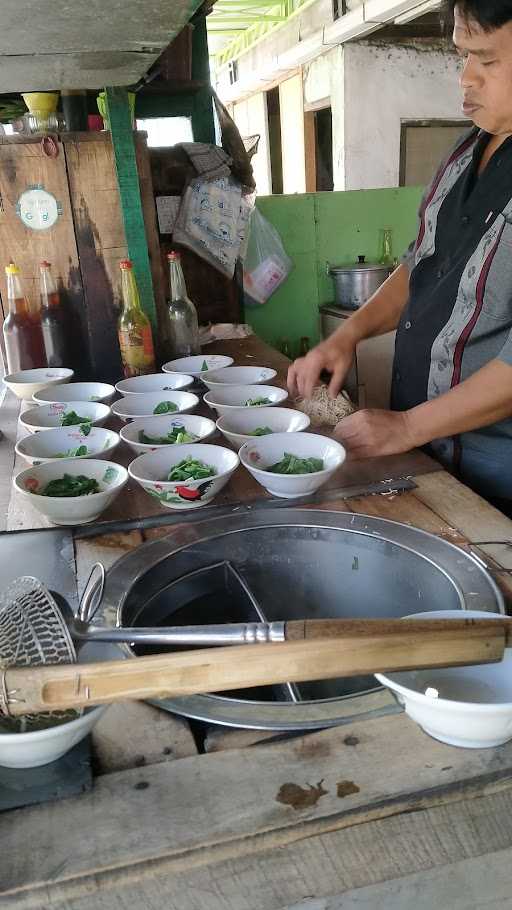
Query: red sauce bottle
point(23, 334)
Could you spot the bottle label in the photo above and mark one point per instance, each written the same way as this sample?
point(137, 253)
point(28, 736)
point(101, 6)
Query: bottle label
point(137, 351)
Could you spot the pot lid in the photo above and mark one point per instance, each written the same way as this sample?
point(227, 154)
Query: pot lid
point(360, 266)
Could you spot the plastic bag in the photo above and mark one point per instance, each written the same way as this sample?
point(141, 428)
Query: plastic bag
point(266, 263)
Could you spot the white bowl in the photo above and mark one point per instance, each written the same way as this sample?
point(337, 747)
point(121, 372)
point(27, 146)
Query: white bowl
point(201, 427)
point(264, 451)
point(152, 469)
point(194, 365)
point(137, 406)
point(473, 706)
point(49, 416)
point(40, 747)
point(238, 427)
point(26, 383)
point(72, 510)
point(154, 382)
point(39, 448)
point(226, 399)
point(215, 379)
point(77, 391)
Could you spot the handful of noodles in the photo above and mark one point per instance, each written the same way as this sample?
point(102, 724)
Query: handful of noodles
point(323, 410)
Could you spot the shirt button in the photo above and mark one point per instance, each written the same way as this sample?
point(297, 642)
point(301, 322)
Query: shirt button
point(408, 324)
point(397, 376)
point(440, 273)
point(465, 219)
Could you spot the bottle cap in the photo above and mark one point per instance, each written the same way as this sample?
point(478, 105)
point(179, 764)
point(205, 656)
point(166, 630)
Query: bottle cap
point(126, 264)
point(174, 255)
point(45, 265)
point(12, 269)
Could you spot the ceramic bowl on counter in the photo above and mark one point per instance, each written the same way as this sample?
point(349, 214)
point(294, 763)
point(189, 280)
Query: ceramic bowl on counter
point(469, 707)
point(197, 364)
point(76, 391)
point(49, 416)
point(152, 470)
point(154, 382)
point(62, 442)
point(154, 404)
point(215, 379)
point(264, 452)
point(72, 510)
point(40, 747)
point(239, 426)
point(158, 427)
point(227, 399)
point(26, 383)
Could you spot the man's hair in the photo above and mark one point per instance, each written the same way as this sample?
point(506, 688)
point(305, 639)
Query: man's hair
point(488, 14)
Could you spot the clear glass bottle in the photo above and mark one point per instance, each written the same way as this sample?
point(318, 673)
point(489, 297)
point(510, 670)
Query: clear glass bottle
point(134, 328)
point(53, 320)
point(386, 247)
point(23, 334)
point(184, 329)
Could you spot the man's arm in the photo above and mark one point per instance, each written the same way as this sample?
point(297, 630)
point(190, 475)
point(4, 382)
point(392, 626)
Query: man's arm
point(482, 399)
point(379, 315)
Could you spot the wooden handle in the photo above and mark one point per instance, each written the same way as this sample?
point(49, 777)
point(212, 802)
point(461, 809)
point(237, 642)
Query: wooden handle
point(308, 629)
point(47, 688)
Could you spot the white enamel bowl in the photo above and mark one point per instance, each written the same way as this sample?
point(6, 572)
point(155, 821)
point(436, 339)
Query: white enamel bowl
point(194, 365)
point(238, 427)
point(264, 451)
point(72, 510)
point(227, 399)
point(27, 383)
point(38, 448)
point(77, 391)
point(151, 472)
point(137, 406)
point(215, 379)
point(469, 707)
point(40, 747)
point(201, 427)
point(154, 382)
point(48, 416)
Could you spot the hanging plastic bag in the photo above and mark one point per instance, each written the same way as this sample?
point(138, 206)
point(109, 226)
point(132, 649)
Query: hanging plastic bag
point(266, 263)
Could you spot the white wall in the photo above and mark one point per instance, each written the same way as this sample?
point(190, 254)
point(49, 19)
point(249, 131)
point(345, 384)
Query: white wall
point(292, 135)
point(324, 79)
point(384, 85)
point(251, 119)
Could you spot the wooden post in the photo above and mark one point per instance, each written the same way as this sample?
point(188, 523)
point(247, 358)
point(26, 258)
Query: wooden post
point(121, 130)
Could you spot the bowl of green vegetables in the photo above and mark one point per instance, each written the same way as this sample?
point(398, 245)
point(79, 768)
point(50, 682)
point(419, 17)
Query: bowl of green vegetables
point(154, 404)
point(64, 414)
point(71, 491)
point(151, 433)
point(82, 441)
point(184, 476)
point(228, 399)
point(290, 465)
point(244, 424)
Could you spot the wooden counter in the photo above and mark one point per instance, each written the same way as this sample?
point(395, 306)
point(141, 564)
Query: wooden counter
point(370, 814)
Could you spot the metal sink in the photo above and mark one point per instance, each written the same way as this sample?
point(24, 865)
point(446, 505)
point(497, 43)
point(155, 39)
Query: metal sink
point(279, 566)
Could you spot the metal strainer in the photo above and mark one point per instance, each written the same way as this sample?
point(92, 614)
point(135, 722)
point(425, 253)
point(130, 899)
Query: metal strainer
point(33, 631)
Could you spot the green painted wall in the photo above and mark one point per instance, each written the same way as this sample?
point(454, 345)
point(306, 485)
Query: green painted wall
point(322, 228)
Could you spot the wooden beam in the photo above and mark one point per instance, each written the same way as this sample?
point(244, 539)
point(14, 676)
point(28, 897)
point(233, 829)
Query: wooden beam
point(121, 129)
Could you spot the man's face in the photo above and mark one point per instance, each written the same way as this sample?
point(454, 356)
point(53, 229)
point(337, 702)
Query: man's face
point(486, 78)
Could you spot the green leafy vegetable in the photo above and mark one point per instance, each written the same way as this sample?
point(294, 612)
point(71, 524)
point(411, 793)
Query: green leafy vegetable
point(94, 398)
point(204, 367)
point(70, 485)
point(176, 435)
point(72, 453)
point(71, 419)
point(191, 469)
point(291, 464)
point(261, 431)
point(165, 407)
point(256, 402)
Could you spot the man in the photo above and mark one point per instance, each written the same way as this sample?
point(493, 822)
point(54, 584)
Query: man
point(451, 298)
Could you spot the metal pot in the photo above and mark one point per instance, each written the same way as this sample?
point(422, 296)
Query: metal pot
point(355, 284)
point(290, 565)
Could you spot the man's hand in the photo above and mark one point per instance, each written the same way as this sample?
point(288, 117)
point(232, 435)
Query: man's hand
point(334, 355)
point(366, 434)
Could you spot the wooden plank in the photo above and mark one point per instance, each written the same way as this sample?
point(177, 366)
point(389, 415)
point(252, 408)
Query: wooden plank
point(325, 782)
point(129, 194)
